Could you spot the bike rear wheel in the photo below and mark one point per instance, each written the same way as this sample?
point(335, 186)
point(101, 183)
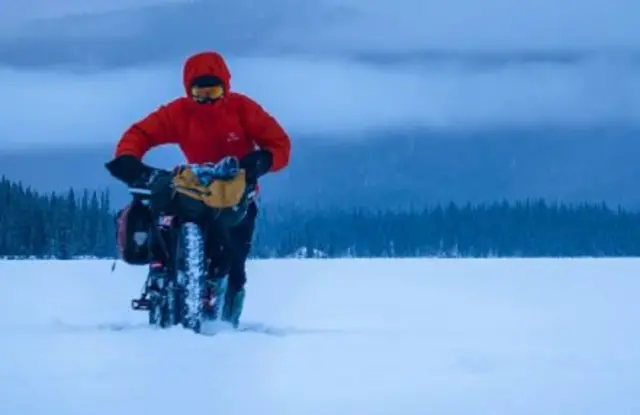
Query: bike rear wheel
point(164, 311)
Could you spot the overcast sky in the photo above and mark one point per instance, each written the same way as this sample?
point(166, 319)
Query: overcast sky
point(388, 24)
point(335, 95)
point(488, 24)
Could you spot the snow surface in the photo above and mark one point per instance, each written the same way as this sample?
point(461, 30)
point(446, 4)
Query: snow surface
point(353, 337)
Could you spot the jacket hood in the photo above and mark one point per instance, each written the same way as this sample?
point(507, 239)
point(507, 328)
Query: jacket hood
point(206, 63)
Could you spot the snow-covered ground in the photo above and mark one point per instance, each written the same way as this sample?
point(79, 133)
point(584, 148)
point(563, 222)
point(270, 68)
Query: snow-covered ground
point(352, 337)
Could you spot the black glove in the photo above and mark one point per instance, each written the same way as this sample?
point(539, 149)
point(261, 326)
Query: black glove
point(133, 172)
point(256, 164)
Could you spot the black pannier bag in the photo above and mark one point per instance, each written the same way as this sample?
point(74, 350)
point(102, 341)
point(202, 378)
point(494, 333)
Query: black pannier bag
point(133, 227)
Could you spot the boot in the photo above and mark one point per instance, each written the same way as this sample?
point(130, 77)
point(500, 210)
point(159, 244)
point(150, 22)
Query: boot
point(212, 306)
point(234, 303)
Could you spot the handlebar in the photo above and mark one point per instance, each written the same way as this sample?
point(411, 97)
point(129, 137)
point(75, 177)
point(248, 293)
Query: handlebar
point(139, 191)
point(226, 168)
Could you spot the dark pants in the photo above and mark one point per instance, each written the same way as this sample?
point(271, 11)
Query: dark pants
point(240, 242)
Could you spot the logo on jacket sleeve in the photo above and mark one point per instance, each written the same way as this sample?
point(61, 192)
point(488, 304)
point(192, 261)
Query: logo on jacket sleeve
point(232, 137)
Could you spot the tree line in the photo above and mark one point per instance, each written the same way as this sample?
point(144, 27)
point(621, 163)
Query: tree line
point(54, 225)
point(71, 225)
point(529, 228)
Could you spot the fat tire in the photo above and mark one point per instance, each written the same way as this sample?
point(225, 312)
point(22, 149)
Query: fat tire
point(192, 274)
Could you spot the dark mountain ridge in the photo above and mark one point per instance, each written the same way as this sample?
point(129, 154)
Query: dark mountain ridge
point(397, 169)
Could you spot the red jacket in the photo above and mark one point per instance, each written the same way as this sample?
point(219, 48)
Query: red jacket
point(232, 126)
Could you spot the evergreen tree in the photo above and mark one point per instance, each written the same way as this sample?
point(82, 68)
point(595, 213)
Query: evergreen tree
point(66, 226)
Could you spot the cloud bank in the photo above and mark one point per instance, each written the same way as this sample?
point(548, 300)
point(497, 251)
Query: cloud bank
point(25, 10)
point(488, 24)
point(346, 25)
point(330, 97)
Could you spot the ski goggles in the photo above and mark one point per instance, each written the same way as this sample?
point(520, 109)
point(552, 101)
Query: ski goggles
point(206, 93)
